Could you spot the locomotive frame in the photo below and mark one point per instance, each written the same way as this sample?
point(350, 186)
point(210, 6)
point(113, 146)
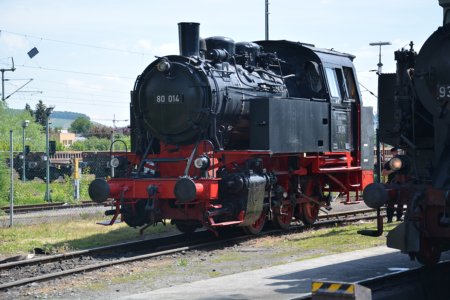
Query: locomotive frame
point(264, 146)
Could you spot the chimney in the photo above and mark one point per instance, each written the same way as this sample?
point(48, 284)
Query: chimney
point(446, 6)
point(188, 34)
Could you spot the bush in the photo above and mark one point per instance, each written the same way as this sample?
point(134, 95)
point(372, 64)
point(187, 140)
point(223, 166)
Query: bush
point(4, 178)
point(92, 144)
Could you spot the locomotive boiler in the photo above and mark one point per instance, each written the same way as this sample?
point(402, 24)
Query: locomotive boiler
point(414, 115)
point(234, 134)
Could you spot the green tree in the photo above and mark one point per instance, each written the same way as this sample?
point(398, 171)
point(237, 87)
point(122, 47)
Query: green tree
point(4, 182)
point(100, 131)
point(39, 114)
point(81, 125)
point(92, 144)
point(29, 110)
point(12, 120)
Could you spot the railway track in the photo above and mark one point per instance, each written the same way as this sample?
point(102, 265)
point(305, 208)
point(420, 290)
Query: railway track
point(17, 273)
point(20, 209)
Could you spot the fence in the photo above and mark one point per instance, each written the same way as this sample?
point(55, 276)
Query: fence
point(29, 185)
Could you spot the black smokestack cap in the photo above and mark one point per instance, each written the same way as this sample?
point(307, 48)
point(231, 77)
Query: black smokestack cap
point(189, 38)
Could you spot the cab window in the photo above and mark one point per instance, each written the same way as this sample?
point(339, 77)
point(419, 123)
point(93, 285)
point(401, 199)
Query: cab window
point(351, 85)
point(333, 85)
point(341, 84)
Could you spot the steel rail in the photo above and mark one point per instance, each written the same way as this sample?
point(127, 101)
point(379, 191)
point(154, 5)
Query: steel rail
point(50, 206)
point(168, 249)
point(124, 245)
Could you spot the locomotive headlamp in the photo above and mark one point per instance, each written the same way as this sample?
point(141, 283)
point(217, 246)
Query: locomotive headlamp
point(114, 162)
point(396, 164)
point(202, 162)
point(163, 65)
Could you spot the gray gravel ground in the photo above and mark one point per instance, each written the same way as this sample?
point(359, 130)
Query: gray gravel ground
point(123, 280)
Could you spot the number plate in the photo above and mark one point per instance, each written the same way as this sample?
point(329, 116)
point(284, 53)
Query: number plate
point(169, 99)
point(443, 92)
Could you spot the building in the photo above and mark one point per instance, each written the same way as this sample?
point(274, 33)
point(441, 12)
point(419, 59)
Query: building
point(65, 138)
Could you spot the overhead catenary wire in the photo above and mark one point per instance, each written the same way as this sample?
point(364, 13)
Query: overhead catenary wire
point(53, 93)
point(92, 95)
point(93, 100)
point(366, 89)
point(88, 102)
point(82, 86)
point(76, 43)
point(76, 72)
point(85, 99)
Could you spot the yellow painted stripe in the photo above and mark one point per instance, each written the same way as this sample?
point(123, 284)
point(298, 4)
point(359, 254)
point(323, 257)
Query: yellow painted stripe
point(334, 287)
point(315, 286)
point(351, 289)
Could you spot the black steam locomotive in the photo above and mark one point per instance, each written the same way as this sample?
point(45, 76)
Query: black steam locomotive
point(36, 164)
point(231, 134)
point(414, 114)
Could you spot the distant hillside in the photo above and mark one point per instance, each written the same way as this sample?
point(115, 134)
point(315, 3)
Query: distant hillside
point(63, 119)
point(60, 119)
point(67, 115)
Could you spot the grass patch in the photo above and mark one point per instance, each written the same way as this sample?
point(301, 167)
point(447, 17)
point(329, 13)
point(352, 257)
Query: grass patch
point(68, 235)
point(182, 262)
point(214, 274)
point(314, 243)
point(33, 191)
point(148, 275)
point(229, 257)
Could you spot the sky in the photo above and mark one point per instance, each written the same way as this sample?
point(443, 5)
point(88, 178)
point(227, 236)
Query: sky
point(90, 52)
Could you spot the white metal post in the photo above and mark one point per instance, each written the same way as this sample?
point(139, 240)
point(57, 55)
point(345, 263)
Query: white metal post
point(11, 190)
point(47, 162)
point(48, 112)
point(24, 125)
point(112, 150)
point(76, 180)
point(23, 153)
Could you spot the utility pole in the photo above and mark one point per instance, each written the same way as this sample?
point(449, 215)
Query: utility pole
point(379, 71)
point(380, 65)
point(11, 189)
point(48, 112)
point(267, 20)
point(12, 69)
point(113, 139)
point(24, 125)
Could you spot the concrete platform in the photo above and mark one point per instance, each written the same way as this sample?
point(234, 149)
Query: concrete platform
point(289, 281)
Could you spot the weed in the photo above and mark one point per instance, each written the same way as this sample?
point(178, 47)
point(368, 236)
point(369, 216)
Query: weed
point(85, 216)
point(214, 273)
point(183, 262)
